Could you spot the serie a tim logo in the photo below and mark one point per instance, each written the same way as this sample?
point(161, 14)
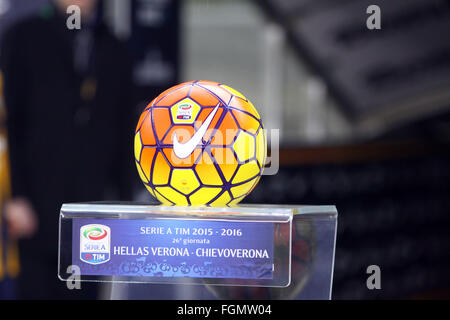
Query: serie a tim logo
point(95, 243)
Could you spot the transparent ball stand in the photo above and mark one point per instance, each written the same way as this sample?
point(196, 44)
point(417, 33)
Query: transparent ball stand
point(194, 253)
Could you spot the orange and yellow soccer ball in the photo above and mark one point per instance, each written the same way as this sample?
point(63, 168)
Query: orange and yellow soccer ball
point(200, 143)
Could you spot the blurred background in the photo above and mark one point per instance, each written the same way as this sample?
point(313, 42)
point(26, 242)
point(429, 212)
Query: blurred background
point(364, 115)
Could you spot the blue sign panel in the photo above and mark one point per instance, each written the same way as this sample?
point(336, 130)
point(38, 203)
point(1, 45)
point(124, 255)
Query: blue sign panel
point(173, 248)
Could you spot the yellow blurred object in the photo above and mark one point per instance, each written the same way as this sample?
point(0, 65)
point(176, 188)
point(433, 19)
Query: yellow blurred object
point(10, 267)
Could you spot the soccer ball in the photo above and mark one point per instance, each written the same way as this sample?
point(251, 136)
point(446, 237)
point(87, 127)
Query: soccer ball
point(200, 143)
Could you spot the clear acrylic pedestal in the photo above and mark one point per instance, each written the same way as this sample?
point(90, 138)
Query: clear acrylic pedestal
point(194, 253)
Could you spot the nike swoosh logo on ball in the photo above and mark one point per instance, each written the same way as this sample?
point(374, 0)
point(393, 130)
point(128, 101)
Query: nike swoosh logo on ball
point(184, 150)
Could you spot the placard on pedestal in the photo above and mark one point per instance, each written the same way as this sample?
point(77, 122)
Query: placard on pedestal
point(244, 252)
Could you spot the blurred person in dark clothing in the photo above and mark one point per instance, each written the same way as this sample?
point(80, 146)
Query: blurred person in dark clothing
point(67, 94)
point(16, 219)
